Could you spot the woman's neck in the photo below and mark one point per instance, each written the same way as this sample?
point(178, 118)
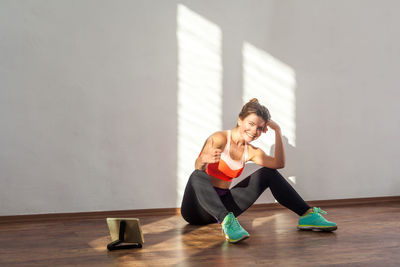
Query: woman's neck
point(237, 137)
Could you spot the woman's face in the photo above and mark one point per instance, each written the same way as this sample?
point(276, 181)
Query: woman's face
point(251, 127)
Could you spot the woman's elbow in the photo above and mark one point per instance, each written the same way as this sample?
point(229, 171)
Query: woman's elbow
point(281, 166)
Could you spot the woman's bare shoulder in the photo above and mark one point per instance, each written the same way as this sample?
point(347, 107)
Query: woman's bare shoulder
point(253, 149)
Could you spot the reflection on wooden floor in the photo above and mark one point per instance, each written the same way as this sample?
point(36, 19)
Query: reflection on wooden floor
point(368, 235)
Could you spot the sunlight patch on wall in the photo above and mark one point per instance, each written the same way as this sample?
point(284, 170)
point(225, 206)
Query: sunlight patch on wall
point(199, 88)
point(273, 83)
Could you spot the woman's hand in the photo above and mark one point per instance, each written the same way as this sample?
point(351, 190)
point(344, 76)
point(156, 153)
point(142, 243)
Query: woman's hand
point(211, 154)
point(273, 125)
point(211, 151)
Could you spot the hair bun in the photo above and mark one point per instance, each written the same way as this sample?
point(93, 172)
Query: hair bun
point(253, 106)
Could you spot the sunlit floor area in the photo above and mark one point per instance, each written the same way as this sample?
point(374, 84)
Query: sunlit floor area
point(368, 235)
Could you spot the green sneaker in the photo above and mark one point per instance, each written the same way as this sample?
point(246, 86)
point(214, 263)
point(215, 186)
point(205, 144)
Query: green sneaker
point(234, 232)
point(314, 220)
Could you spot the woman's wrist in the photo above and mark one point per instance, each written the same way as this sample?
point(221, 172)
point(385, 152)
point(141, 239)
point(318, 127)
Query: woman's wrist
point(200, 164)
point(277, 130)
point(201, 168)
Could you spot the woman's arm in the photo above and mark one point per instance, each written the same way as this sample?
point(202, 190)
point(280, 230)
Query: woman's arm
point(259, 157)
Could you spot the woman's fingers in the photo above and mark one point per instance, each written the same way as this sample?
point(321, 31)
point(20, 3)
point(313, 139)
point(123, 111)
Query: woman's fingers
point(216, 155)
point(265, 129)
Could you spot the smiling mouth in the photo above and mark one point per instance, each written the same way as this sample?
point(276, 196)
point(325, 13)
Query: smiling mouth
point(252, 136)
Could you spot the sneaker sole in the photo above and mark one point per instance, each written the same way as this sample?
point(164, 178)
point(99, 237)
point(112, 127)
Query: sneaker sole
point(236, 241)
point(314, 227)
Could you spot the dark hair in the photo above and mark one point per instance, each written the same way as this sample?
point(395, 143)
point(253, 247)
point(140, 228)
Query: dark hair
point(253, 106)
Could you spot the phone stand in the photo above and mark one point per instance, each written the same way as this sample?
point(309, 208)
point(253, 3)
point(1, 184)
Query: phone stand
point(117, 244)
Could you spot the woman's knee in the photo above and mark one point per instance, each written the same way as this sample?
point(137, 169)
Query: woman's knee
point(197, 176)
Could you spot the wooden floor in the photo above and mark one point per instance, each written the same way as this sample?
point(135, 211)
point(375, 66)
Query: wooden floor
point(368, 235)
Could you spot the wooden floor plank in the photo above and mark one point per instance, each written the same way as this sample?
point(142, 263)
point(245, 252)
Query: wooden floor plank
point(368, 235)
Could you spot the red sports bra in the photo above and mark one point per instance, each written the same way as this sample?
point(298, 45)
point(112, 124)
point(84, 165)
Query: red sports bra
point(227, 168)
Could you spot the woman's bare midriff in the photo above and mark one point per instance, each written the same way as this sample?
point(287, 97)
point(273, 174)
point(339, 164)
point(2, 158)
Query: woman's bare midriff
point(219, 183)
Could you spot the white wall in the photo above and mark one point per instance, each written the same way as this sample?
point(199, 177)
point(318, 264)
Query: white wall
point(88, 98)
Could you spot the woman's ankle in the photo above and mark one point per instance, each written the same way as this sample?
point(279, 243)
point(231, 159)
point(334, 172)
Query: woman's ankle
point(307, 212)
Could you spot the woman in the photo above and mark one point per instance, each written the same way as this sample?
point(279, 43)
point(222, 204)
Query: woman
point(208, 197)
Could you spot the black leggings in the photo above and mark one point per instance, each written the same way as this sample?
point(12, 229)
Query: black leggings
point(202, 205)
